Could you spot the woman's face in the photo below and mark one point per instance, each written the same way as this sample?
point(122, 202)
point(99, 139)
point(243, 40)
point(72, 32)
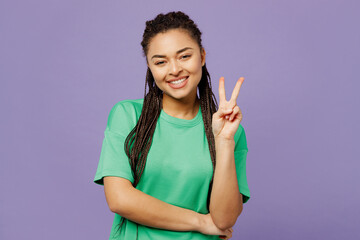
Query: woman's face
point(175, 55)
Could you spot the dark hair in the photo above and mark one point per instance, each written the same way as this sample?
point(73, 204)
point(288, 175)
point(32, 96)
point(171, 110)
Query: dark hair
point(139, 140)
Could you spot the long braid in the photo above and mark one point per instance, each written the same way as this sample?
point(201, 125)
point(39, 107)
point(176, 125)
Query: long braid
point(208, 106)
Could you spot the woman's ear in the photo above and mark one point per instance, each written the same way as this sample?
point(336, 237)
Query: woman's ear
point(203, 54)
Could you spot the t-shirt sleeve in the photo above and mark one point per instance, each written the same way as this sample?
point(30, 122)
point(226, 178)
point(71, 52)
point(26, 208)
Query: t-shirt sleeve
point(113, 159)
point(240, 154)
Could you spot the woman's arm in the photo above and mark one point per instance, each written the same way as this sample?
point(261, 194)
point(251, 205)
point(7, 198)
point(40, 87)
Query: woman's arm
point(144, 209)
point(226, 200)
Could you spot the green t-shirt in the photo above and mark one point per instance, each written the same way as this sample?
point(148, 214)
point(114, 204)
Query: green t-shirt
point(178, 168)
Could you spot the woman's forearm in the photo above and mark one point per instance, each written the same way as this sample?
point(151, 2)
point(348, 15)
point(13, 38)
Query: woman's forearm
point(225, 202)
point(150, 211)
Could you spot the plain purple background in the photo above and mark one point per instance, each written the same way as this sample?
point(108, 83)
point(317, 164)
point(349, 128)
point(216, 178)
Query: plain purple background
point(64, 64)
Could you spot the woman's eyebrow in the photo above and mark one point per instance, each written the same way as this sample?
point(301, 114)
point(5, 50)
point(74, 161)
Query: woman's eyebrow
point(180, 51)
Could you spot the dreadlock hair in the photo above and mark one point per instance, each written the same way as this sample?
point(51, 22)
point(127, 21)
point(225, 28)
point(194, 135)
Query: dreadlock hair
point(138, 142)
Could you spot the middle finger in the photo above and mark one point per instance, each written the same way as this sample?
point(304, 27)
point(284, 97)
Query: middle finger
point(236, 90)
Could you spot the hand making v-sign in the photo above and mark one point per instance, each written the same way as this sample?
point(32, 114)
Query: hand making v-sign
point(226, 120)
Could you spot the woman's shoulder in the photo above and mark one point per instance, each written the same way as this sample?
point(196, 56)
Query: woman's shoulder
point(129, 103)
point(124, 114)
point(240, 139)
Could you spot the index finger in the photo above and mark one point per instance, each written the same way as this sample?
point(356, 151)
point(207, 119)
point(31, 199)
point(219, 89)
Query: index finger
point(236, 90)
point(222, 95)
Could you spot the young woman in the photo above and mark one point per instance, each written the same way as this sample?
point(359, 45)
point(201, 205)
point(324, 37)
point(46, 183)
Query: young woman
point(173, 164)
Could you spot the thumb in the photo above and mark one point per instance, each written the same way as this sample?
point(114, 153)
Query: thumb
point(223, 111)
point(223, 234)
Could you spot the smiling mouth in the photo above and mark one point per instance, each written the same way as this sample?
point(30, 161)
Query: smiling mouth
point(179, 80)
point(180, 83)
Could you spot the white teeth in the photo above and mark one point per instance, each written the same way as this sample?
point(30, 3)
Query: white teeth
point(178, 81)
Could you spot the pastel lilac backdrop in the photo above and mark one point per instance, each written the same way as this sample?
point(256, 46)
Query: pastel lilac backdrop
point(64, 64)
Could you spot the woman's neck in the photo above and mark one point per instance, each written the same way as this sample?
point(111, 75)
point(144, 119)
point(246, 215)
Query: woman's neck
point(181, 109)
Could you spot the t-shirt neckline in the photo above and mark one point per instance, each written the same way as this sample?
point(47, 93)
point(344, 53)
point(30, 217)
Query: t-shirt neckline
point(180, 121)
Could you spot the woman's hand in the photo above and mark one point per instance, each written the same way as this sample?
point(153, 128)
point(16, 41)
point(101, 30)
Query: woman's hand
point(226, 120)
point(208, 227)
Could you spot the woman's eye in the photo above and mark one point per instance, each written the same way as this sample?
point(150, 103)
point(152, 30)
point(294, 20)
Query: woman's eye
point(186, 56)
point(158, 63)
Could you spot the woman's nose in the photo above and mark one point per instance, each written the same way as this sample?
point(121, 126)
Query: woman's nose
point(175, 67)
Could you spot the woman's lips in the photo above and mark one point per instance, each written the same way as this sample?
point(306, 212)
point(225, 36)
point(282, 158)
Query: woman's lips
point(177, 86)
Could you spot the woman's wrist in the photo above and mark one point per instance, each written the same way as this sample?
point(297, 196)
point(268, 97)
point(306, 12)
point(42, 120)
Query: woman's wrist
point(198, 221)
point(219, 138)
point(224, 143)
